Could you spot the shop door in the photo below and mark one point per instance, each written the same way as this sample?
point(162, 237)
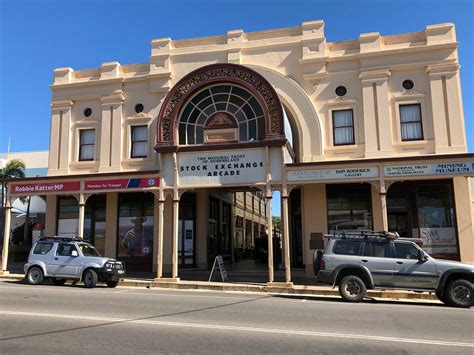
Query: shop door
point(94, 222)
point(186, 230)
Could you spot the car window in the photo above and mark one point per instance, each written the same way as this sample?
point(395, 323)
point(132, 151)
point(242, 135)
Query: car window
point(88, 250)
point(406, 251)
point(65, 249)
point(376, 249)
point(347, 247)
point(42, 248)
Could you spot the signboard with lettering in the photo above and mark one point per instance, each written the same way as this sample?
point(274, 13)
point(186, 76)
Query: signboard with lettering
point(333, 174)
point(39, 188)
point(438, 241)
point(429, 169)
point(221, 167)
point(116, 184)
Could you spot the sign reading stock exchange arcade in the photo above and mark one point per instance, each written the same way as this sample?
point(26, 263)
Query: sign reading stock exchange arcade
point(222, 167)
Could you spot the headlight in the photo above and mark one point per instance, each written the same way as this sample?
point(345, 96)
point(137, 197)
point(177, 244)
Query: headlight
point(108, 265)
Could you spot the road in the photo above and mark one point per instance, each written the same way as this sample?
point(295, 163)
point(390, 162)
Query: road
point(70, 319)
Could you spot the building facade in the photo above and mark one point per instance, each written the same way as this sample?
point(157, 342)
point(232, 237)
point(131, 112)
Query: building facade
point(360, 134)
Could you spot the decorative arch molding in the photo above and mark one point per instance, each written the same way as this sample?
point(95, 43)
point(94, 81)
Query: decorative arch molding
point(309, 126)
point(212, 74)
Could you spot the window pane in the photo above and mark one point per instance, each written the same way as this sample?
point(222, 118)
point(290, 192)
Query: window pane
point(406, 251)
point(139, 133)
point(139, 149)
point(343, 135)
point(410, 113)
point(87, 152)
point(347, 247)
point(411, 131)
point(87, 136)
point(342, 118)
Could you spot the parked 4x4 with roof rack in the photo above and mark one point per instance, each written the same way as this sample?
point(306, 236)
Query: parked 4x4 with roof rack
point(359, 260)
point(69, 258)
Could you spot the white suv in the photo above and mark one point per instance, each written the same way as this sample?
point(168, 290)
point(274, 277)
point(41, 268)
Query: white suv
point(62, 259)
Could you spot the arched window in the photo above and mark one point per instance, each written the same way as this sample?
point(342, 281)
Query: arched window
point(221, 113)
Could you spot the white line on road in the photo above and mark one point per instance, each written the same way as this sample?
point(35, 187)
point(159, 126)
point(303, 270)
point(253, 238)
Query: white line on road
point(243, 329)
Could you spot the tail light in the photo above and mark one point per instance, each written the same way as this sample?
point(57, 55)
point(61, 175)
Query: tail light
point(322, 264)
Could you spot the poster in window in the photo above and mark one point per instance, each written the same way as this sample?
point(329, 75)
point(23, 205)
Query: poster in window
point(68, 227)
point(136, 236)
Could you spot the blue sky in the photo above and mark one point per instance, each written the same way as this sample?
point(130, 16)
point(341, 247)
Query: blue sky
point(38, 36)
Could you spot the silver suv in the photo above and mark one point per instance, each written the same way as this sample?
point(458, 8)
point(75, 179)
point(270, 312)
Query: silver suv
point(63, 259)
point(357, 261)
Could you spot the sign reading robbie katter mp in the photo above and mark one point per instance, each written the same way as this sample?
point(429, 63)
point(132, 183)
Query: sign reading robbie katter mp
point(222, 167)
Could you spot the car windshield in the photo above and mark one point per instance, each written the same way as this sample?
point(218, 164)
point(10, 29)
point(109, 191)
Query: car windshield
point(88, 250)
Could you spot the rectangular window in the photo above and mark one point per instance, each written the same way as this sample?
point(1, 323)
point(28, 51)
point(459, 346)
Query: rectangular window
point(347, 247)
point(86, 144)
point(343, 126)
point(410, 122)
point(349, 206)
point(139, 142)
point(377, 249)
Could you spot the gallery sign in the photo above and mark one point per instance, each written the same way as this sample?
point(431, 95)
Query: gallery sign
point(438, 241)
point(430, 169)
point(221, 167)
point(38, 188)
point(333, 174)
point(121, 184)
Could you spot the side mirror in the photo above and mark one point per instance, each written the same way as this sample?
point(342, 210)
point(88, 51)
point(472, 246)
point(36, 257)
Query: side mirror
point(74, 253)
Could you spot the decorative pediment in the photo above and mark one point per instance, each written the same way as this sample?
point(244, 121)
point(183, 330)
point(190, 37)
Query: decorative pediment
point(220, 120)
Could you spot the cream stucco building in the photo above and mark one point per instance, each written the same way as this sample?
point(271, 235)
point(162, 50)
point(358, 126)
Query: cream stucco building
point(374, 139)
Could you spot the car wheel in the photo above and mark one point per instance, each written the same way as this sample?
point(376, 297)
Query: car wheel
point(459, 293)
point(90, 278)
point(112, 283)
point(35, 276)
point(59, 282)
point(352, 288)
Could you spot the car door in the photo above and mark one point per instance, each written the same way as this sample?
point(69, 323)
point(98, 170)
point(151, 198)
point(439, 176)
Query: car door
point(376, 256)
point(64, 263)
point(410, 271)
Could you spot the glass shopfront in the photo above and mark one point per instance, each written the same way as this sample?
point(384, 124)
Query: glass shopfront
point(68, 216)
point(425, 209)
point(94, 222)
point(349, 206)
point(135, 231)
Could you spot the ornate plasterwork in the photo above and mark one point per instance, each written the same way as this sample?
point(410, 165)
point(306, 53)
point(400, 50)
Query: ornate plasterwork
point(221, 120)
point(231, 73)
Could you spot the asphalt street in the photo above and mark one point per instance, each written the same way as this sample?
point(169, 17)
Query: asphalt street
point(74, 320)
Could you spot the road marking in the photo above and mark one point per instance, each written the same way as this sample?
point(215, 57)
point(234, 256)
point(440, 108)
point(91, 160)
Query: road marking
point(243, 329)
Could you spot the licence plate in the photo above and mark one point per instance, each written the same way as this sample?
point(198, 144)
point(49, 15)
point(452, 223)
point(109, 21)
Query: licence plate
point(121, 271)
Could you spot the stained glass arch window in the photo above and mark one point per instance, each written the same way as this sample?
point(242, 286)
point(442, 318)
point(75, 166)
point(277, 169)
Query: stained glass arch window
point(227, 106)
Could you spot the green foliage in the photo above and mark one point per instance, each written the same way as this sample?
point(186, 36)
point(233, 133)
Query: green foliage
point(14, 168)
point(276, 222)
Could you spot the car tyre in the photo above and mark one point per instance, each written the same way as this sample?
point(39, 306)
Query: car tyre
point(90, 278)
point(459, 293)
point(112, 283)
point(35, 276)
point(352, 288)
point(58, 282)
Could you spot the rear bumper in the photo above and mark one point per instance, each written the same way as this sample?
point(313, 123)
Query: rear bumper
point(326, 277)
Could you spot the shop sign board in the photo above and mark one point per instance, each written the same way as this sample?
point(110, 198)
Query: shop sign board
point(333, 174)
point(38, 188)
point(121, 184)
point(222, 167)
point(430, 169)
point(438, 241)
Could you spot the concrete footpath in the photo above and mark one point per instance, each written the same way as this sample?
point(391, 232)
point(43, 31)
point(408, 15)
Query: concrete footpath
point(275, 288)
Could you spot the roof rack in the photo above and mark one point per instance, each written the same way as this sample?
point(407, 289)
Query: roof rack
point(62, 238)
point(362, 234)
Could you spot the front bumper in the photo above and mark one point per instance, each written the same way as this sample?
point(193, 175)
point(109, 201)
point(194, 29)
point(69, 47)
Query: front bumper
point(113, 273)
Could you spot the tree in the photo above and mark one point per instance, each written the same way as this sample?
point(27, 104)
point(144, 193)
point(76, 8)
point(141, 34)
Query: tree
point(276, 221)
point(13, 169)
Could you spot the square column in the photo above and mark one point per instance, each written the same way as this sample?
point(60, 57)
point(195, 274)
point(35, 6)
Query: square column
point(159, 252)
point(271, 275)
point(174, 256)
point(286, 236)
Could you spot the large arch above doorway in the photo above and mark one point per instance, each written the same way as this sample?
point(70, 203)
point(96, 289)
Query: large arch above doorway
point(167, 137)
point(309, 127)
